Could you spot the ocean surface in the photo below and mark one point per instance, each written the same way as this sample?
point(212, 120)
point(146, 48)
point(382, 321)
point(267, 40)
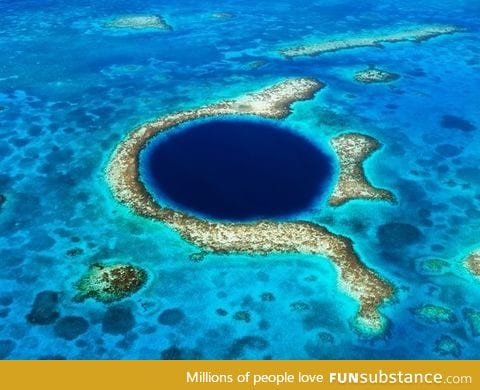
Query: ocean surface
point(236, 170)
point(72, 87)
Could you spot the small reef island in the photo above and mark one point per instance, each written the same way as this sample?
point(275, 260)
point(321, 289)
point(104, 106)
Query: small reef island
point(417, 34)
point(473, 262)
point(110, 282)
point(375, 75)
point(352, 150)
point(139, 22)
point(264, 236)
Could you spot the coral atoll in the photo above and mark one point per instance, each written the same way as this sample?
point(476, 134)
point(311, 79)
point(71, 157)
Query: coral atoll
point(109, 283)
point(261, 237)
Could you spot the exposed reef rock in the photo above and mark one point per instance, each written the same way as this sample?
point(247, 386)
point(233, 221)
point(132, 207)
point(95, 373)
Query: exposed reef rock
point(262, 237)
point(417, 34)
point(375, 75)
point(109, 283)
point(473, 262)
point(352, 150)
point(139, 22)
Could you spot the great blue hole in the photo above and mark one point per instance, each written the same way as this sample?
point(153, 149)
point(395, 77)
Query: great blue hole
point(235, 170)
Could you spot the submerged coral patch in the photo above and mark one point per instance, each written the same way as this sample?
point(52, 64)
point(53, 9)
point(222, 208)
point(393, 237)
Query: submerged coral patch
point(118, 320)
point(3, 199)
point(397, 234)
point(6, 347)
point(432, 266)
point(45, 308)
point(171, 317)
point(139, 22)
point(446, 345)
point(447, 150)
point(434, 313)
point(473, 320)
point(375, 75)
point(237, 169)
point(456, 122)
point(70, 327)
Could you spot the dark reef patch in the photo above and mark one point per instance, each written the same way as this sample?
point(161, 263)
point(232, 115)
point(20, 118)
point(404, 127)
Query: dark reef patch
point(118, 320)
point(267, 297)
point(447, 150)
point(44, 310)
point(447, 345)
point(52, 357)
point(456, 122)
point(6, 347)
point(172, 353)
point(171, 317)
point(471, 175)
point(395, 235)
point(6, 300)
point(3, 199)
point(176, 353)
point(248, 342)
point(70, 327)
point(242, 315)
point(236, 169)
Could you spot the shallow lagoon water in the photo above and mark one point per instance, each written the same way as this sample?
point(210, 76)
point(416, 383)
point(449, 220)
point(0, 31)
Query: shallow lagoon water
point(63, 113)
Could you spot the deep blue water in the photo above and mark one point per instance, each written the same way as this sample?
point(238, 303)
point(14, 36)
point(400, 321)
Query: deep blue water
point(237, 170)
point(71, 89)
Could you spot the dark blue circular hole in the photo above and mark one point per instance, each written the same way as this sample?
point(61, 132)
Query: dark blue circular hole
point(236, 170)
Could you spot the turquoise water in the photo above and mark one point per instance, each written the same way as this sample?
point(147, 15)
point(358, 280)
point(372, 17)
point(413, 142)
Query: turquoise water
point(72, 88)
